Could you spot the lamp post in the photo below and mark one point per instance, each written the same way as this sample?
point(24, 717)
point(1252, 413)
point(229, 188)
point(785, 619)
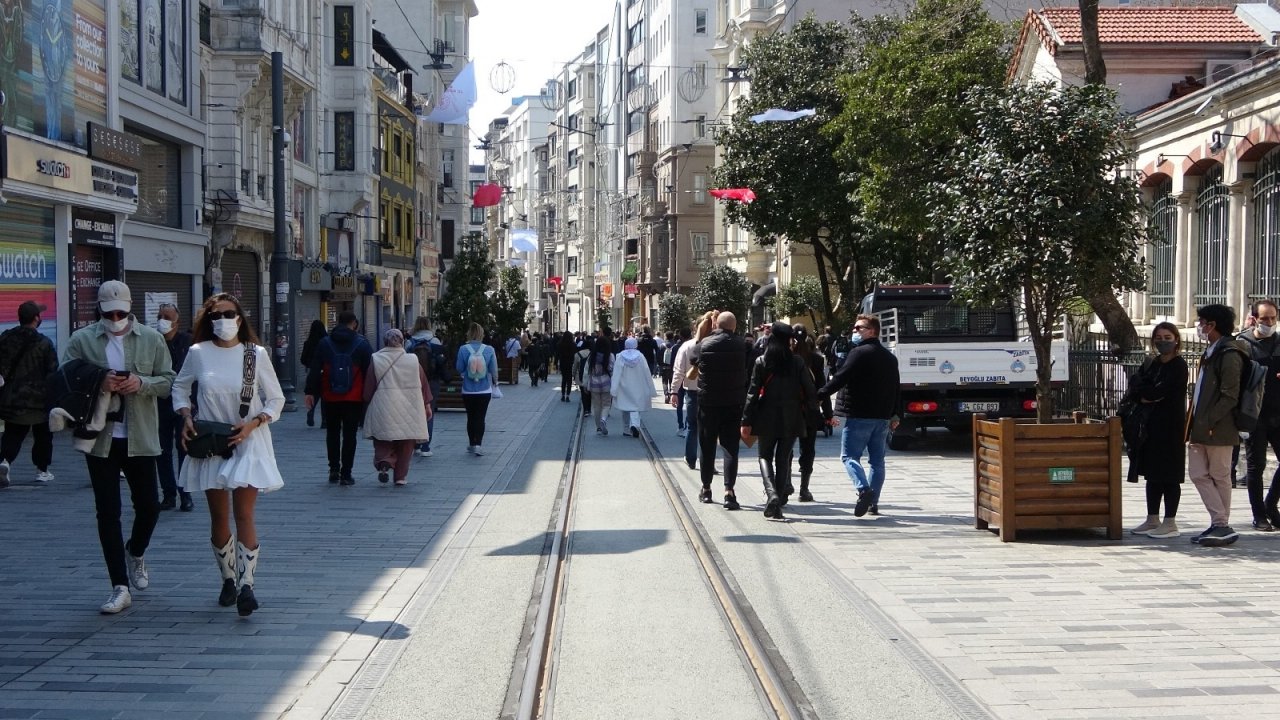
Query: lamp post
point(282, 321)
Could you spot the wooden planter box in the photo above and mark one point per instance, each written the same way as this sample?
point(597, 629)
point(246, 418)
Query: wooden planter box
point(509, 371)
point(1059, 475)
point(450, 397)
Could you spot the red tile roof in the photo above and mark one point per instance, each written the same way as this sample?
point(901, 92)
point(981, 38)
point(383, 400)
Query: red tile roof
point(1147, 25)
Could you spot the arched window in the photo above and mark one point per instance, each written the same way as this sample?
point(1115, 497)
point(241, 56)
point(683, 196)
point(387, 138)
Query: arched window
point(1266, 228)
point(1211, 208)
point(1164, 242)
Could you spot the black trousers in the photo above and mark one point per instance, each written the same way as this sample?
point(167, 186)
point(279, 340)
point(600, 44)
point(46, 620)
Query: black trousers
point(170, 432)
point(775, 455)
point(104, 474)
point(41, 449)
point(808, 450)
point(342, 422)
point(719, 425)
point(566, 380)
point(586, 400)
point(477, 407)
point(1257, 446)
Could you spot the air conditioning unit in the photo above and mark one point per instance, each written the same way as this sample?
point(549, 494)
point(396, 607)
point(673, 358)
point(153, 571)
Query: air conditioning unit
point(1219, 70)
point(346, 223)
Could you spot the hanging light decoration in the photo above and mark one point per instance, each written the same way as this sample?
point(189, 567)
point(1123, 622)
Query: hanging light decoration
point(502, 78)
point(692, 85)
point(552, 95)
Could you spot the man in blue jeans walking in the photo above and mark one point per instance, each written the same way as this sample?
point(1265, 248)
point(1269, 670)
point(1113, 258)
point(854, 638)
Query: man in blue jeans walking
point(868, 385)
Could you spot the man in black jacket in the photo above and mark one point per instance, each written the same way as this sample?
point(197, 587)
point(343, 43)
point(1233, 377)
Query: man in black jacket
point(723, 369)
point(1265, 348)
point(868, 409)
point(26, 359)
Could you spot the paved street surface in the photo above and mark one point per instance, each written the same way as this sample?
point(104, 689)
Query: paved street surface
point(382, 602)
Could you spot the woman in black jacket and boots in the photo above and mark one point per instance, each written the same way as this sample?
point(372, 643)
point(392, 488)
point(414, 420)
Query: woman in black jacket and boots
point(779, 399)
point(817, 418)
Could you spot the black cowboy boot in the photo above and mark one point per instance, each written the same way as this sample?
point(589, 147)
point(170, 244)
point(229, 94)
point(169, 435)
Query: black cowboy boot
point(772, 507)
point(805, 495)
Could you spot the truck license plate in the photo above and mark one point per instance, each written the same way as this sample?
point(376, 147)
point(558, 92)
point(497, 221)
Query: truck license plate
point(979, 407)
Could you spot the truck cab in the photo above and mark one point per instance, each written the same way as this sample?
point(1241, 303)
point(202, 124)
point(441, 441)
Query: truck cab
point(956, 359)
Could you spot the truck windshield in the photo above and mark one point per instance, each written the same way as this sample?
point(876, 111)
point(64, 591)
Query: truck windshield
point(939, 320)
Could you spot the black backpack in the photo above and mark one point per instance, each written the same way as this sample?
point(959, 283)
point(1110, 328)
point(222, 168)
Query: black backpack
point(431, 356)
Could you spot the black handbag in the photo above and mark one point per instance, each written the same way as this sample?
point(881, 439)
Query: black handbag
point(213, 439)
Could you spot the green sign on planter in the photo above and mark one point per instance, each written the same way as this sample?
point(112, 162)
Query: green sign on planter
point(1062, 475)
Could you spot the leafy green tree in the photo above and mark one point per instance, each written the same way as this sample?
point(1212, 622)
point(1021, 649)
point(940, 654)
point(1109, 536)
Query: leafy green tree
point(465, 298)
point(722, 288)
point(509, 303)
point(801, 190)
point(673, 312)
point(1031, 204)
point(604, 317)
point(801, 297)
point(903, 109)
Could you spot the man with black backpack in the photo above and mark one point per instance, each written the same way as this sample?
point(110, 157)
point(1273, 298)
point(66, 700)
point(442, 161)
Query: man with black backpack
point(1213, 431)
point(430, 353)
point(1261, 339)
point(337, 375)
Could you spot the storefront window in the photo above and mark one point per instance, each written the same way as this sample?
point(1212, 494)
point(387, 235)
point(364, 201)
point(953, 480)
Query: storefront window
point(153, 46)
point(27, 264)
point(159, 182)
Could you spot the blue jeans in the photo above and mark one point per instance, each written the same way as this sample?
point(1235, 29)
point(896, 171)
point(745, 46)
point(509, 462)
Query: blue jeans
point(872, 437)
point(691, 424)
point(680, 409)
point(431, 422)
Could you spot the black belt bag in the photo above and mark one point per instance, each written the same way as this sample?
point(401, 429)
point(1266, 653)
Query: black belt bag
point(213, 439)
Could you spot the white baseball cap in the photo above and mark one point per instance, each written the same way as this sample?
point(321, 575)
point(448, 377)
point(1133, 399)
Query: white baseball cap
point(114, 295)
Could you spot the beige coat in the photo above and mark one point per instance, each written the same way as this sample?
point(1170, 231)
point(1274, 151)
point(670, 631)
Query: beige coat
point(1212, 419)
point(399, 396)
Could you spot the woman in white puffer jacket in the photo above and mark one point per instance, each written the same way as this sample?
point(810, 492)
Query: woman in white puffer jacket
point(632, 387)
point(399, 404)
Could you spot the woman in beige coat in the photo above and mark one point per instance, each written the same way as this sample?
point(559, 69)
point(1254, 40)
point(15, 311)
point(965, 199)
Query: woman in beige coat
point(399, 405)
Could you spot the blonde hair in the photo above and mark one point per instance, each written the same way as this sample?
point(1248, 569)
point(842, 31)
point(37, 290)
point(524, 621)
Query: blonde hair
point(705, 324)
point(475, 333)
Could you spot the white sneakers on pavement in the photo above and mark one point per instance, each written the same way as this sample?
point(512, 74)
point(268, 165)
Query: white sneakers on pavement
point(44, 476)
point(425, 453)
point(137, 570)
point(4, 473)
point(120, 599)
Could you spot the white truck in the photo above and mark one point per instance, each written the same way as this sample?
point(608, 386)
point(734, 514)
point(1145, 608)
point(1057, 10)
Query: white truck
point(956, 360)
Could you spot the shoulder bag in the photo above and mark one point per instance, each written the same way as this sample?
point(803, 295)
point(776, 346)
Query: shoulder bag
point(213, 439)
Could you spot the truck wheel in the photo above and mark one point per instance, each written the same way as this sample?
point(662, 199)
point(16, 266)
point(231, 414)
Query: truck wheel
point(900, 442)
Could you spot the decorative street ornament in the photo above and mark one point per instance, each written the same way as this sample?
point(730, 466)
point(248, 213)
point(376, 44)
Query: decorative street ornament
point(502, 78)
point(639, 98)
point(744, 195)
point(456, 102)
point(552, 96)
point(779, 115)
point(692, 85)
point(487, 195)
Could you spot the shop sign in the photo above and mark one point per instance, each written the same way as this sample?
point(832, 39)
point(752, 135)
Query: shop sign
point(408, 290)
point(114, 146)
point(344, 288)
point(388, 291)
point(316, 278)
point(630, 290)
point(90, 227)
point(88, 271)
point(606, 291)
point(40, 164)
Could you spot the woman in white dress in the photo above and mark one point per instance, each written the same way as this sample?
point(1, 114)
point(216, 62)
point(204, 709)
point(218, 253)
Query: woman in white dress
point(215, 365)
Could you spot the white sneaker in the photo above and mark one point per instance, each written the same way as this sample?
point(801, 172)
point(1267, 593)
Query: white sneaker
point(44, 476)
point(683, 433)
point(137, 570)
point(478, 450)
point(120, 599)
point(471, 449)
point(1166, 529)
point(425, 453)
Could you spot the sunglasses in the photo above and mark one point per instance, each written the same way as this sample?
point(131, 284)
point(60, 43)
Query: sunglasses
point(115, 315)
point(225, 314)
point(859, 328)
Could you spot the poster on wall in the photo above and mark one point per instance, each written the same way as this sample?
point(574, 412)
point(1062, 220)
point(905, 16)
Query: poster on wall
point(130, 66)
point(175, 46)
point(53, 66)
point(152, 46)
point(27, 266)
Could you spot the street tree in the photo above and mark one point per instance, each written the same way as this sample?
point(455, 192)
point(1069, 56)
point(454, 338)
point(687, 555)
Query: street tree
point(509, 302)
point(801, 191)
point(1031, 204)
point(801, 297)
point(722, 288)
point(465, 300)
point(903, 109)
point(673, 312)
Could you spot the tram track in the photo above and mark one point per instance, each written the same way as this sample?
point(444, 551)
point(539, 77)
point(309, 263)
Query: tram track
point(535, 677)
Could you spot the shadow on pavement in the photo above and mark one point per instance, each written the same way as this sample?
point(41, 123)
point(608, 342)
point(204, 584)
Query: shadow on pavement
point(589, 542)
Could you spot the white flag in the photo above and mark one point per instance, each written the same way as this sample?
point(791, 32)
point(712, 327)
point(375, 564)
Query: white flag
point(780, 115)
point(456, 102)
point(524, 240)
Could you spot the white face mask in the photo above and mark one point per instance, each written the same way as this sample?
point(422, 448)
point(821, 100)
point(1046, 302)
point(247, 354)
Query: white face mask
point(226, 329)
point(1264, 331)
point(116, 326)
point(164, 326)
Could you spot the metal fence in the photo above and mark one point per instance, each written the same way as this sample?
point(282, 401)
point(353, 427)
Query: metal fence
point(1098, 376)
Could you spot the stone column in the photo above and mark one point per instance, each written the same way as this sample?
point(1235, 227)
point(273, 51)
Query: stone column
point(1240, 244)
point(1185, 259)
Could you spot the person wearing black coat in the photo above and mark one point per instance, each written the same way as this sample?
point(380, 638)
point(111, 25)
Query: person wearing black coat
point(27, 358)
point(314, 336)
point(1154, 417)
point(869, 385)
point(780, 399)
point(819, 415)
point(723, 364)
point(565, 350)
point(648, 347)
point(535, 360)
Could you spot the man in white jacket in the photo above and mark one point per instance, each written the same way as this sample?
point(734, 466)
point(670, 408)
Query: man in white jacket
point(632, 388)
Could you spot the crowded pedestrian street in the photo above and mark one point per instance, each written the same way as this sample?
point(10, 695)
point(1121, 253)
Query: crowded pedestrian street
point(423, 601)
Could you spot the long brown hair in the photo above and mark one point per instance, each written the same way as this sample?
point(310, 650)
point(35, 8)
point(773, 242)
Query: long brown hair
point(203, 328)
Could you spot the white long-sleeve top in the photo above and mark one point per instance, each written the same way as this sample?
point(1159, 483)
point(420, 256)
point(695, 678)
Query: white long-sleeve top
point(680, 365)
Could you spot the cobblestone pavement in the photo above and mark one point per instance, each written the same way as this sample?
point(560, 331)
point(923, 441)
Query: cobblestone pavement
point(338, 565)
point(1063, 624)
point(1056, 625)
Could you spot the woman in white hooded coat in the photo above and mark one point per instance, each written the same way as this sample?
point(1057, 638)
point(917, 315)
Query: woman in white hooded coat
point(632, 389)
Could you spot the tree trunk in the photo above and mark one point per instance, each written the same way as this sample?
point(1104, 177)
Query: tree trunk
point(1095, 70)
point(818, 250)
point(1120, 329)
point(1041, 330)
